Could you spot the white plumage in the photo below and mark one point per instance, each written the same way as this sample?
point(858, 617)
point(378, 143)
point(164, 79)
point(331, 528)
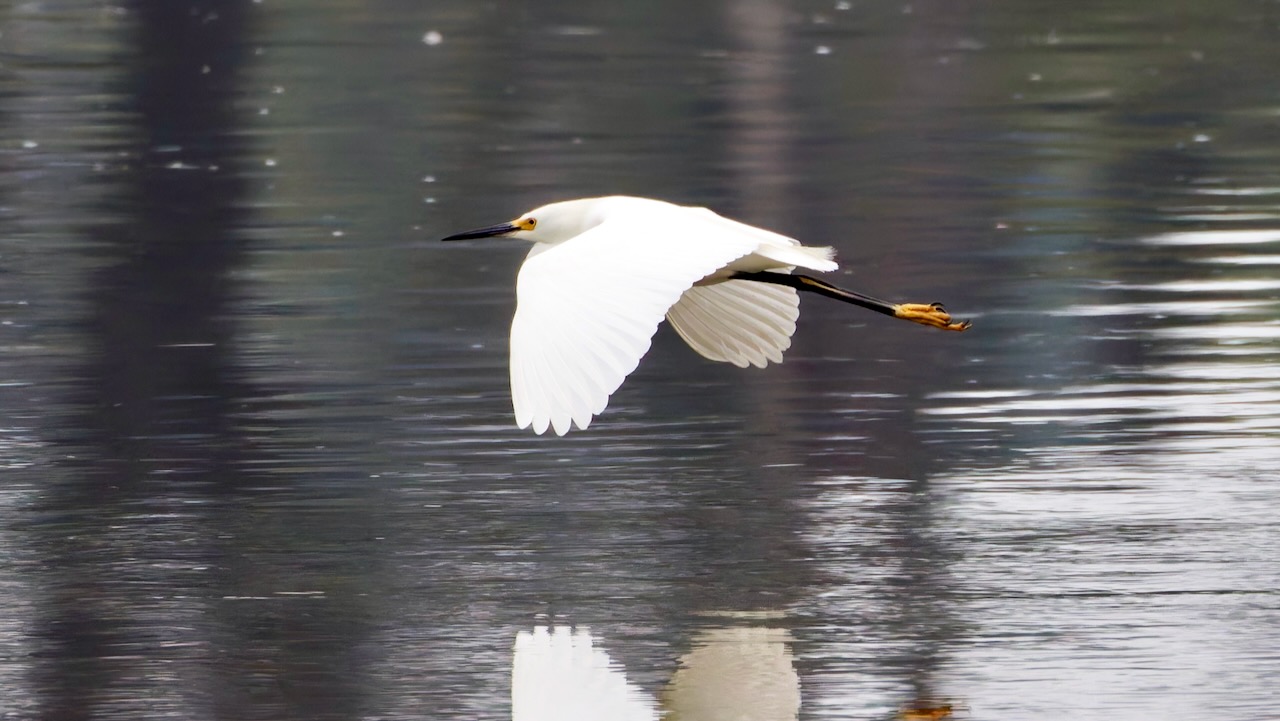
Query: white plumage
point(587, 307)
point(604, 272)
point(737, 321)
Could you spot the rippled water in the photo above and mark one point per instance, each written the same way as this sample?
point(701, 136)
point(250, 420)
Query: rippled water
point(258, 454)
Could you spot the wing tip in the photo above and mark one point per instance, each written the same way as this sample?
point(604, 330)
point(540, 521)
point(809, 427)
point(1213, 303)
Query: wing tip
point(560, 425)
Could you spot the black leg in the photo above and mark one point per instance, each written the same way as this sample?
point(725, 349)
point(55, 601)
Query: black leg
point(925, 313)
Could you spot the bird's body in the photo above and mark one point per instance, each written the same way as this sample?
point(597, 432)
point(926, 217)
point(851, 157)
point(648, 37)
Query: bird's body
point(604, 272)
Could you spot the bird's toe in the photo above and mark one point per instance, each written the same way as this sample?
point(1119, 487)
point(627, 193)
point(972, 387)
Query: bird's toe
point(929, 314)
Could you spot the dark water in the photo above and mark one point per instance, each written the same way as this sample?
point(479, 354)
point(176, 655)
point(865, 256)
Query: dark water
point(257, 449)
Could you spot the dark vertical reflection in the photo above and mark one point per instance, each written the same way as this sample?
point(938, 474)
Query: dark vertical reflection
point(156, 594)
point(922, 596)
point(154, 392)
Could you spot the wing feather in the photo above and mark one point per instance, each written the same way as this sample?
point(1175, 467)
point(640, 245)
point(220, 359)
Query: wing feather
point(737, 322)
point(775, 247)
point(587, 309)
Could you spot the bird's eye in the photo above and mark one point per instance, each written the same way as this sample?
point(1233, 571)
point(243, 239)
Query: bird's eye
point(528, 224)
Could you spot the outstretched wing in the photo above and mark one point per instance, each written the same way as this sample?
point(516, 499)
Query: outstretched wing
point(587, 309)
point(738, 321)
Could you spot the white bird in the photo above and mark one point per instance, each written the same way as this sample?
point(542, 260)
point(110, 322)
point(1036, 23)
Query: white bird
point(602, 274)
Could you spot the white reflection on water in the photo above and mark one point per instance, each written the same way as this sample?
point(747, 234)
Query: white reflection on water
point(1229, 285)
point(740, 673)
point(1097, 404)
point(1223, 332)
point(1242, 260)
point(1238, 192)
point(560, 674)
point(1214, 237)
point(1180, 307)
point(735, 674)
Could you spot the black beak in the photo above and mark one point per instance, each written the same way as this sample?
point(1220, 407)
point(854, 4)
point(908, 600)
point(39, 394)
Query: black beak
point(500, 229)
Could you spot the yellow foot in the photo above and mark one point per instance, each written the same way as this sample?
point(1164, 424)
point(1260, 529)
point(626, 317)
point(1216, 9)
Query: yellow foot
point(929, 314)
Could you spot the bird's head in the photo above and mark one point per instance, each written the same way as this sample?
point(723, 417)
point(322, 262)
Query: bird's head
point(554, 223)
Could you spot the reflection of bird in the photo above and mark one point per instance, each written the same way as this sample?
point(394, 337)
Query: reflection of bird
point(604, 271)
point(559, 675)
point(926, 711)
point(735, 674)
point(732, 674)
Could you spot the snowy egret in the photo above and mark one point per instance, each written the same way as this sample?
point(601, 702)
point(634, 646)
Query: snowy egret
point(603, 272)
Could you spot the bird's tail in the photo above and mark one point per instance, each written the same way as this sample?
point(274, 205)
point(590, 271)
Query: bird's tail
point(819, 258)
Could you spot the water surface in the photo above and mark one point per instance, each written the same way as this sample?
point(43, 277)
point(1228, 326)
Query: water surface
point(257, 446)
